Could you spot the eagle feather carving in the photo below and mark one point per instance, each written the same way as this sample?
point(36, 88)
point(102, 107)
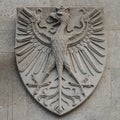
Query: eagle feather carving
point(71, 45)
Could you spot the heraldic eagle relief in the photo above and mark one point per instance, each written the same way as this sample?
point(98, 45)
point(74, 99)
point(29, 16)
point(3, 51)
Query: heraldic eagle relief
point(60, 54)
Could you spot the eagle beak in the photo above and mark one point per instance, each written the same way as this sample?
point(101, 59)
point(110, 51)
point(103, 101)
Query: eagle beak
point(53, 15)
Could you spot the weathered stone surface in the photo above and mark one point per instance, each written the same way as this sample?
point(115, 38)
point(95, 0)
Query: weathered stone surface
point(7, 41)
point(97, 106)
point(114, 113)
point(114, 37)
point(13, 98)
point(115, 83)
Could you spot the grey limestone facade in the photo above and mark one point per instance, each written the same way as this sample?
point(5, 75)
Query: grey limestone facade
point(15, 101)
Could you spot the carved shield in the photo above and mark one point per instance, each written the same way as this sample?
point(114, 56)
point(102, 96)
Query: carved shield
point(60, 54)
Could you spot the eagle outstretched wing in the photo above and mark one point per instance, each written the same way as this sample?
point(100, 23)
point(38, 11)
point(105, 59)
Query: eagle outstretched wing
point(32, 44)
point(86, 49)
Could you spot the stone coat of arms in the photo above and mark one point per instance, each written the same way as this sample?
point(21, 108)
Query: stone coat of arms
point(60, 54)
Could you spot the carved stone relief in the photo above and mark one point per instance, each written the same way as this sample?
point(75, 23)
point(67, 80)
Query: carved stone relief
point(60, 54)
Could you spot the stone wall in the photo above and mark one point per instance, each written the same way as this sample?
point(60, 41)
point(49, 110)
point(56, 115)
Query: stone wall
point(17, 104)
